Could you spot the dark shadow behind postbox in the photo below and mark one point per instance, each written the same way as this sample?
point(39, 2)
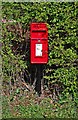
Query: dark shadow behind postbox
point(38, 43)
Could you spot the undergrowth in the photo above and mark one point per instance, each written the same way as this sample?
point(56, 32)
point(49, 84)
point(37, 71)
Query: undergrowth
point(36, 107)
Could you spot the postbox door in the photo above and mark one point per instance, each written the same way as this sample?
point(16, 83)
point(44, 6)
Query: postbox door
point(39, 51)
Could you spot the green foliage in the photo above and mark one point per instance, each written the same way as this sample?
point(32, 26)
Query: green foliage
point(5, 108)
point(62, 25)
point(45, 109)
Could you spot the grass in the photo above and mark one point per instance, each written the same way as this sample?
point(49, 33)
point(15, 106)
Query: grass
point(30, 106)
point(5, 108)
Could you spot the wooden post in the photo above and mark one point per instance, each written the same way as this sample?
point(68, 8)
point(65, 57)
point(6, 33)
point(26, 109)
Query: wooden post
point(38, 79)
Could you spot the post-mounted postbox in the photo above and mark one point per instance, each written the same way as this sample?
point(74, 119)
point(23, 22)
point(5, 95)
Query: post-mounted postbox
point(38, 43)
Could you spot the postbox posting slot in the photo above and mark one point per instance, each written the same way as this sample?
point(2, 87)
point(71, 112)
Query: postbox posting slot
point(38, 30)
point(39, 38)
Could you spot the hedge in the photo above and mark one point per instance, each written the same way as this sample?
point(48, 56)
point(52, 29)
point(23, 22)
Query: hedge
point(61, 18)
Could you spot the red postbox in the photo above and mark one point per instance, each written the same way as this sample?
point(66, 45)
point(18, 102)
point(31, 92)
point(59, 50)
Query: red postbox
point(38, 43)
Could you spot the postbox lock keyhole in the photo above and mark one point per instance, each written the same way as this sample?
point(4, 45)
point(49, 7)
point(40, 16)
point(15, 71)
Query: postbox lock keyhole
point(38, 40)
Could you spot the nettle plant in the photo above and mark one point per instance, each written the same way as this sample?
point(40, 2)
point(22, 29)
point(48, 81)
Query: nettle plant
point(61, 18)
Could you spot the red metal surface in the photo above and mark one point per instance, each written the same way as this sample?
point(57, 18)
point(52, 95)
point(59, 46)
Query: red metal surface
point(38, 37)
